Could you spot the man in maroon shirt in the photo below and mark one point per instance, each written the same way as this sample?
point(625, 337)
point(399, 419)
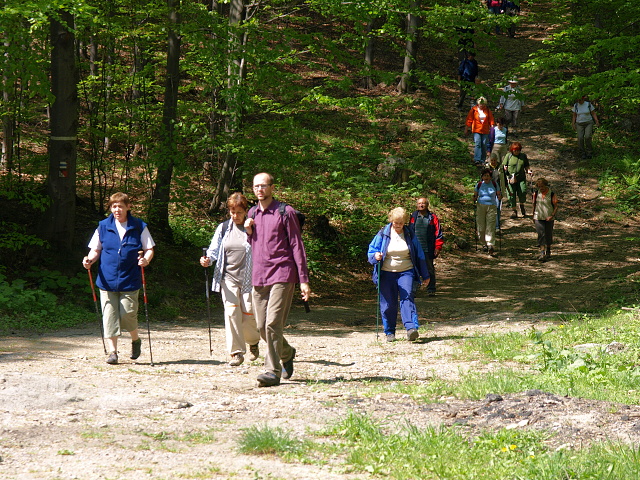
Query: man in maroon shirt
point(279, 262)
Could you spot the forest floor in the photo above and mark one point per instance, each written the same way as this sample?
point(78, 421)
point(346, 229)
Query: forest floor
point(65, 413)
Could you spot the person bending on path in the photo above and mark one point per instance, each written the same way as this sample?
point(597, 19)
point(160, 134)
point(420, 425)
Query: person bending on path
point(583, 119)
point(427, 228)
point(545, 207)
point(479, 122)
point(512, 102)
point(231, 253)
point(467, 76)
point(115, 244)
point(487, 195)
point(516, 167)
point(279, 261)
point(403, 267)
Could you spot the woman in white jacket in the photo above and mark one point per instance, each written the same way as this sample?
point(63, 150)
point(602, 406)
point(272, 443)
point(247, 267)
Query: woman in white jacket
point(231, 253)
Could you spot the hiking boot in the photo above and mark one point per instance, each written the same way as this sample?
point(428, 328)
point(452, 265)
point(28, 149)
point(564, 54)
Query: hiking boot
point(542, 257)
point(391, 337)
point(514, 215)
point(268, 379)
point(524, 214)
point(431, 293)
point(236, 360)
point(491, 251)
point(287, 367)
point(113, 359)
point(136, 348)
point(254, 352)
point(412, 334)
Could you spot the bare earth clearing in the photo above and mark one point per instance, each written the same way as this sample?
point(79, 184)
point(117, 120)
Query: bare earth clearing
point(66, 414)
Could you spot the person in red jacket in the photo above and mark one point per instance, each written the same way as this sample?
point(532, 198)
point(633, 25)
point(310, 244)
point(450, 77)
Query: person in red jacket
point(479, 122)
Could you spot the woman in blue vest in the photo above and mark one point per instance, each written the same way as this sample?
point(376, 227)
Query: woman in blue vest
point(402, 269)
point(116, 243)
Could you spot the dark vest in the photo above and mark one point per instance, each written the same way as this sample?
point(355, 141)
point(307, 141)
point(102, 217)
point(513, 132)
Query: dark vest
point(119, 270)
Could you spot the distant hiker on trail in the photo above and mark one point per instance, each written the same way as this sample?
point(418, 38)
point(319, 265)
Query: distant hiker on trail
point(516, 167)
point(231, 253)
point(479, 122)
point(495, 7)
point(487, 197)
point(427, 228)
point(498, 138)
point(467, 76)
point(512, 102)
point(399, 260)
point(512, 9)
point(582, 120)
point(116, 243)
point(497, 175)
point(279, 262)
point(545, 207)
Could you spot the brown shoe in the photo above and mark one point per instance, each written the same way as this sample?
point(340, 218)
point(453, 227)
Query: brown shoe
point(254, 352)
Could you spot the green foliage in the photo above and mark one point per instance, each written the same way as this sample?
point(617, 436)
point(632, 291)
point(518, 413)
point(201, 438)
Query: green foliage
point(35, 309)
point(408, 452)
point(57, 282)
point(188, 230)
point(265, 440)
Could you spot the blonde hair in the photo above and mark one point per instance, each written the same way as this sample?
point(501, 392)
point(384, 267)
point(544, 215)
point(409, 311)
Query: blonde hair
point(482, 101)
point(398, 214)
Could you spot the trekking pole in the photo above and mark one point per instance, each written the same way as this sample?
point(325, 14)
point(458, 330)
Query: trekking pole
point(475, 224)
point(378, 302)
point(206, 288)
point(146, 308)
point(98, 316)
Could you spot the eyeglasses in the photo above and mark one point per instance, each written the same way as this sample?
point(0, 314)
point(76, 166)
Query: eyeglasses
point(262, 186)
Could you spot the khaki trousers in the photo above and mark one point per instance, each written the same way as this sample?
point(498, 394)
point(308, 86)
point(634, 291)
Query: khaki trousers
point(239, 322)
point(271, 305)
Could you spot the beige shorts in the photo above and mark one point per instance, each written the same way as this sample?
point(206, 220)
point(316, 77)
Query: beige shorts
point(119, 312)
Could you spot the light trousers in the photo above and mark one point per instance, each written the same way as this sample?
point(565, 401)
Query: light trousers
point(486, 222)
point(119, 312)
point(271, 305)
point(239, 322)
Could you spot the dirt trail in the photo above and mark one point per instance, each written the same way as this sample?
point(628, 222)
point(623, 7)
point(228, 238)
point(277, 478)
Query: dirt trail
point(65, 414)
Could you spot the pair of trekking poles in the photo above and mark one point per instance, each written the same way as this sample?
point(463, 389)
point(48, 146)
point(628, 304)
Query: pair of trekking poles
point(146, 308)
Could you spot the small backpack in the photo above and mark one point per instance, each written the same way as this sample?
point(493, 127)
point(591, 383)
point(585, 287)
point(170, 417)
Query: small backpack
point(282, 208)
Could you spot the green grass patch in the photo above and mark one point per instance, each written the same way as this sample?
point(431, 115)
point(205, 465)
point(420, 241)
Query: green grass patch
point(409, 452)
point(265, 440)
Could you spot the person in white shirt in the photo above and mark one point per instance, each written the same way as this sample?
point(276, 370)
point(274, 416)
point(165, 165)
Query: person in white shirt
point(583, 118)
point(512, 102)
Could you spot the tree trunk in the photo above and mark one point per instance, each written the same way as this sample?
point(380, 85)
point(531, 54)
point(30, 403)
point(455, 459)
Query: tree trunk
point(59, 220)
point(236, 72)
point(159, 212)
point(369, 51)
point(411, 48)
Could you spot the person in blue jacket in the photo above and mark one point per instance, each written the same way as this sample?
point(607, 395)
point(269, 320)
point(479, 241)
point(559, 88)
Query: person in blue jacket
point(403, 268)
point(116, 243)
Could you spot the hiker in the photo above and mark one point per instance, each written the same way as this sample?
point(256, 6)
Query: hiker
point(116, 243)
point(279, 262)
point(512, 102)
point(512, 9)
point(545, 207)
point(498, 138)
point(467, 76)
point(231, 253)
point(487, 196)
point(427, 228)
point(516, 167)
point(497, 175)
point(397, 255)
point(479, 122)
point(582, 120)
point(495, 7)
